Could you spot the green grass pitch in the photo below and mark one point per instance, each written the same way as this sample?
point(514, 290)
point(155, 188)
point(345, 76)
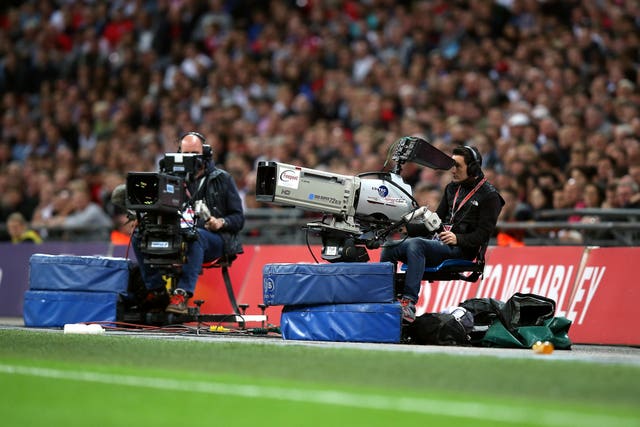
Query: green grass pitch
point(53, 379)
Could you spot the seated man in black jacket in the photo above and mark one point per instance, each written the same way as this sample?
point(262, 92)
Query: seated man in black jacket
point(468, 212)
point(216, 236)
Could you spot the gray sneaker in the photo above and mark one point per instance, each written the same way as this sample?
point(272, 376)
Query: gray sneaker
point(408, 310)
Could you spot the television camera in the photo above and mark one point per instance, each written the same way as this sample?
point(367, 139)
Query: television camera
point(166, 216)
point(159, 200)
point(359, 212)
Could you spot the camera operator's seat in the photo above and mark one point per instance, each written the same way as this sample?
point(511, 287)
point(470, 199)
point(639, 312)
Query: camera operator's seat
point(224, 262)
point(456, 269)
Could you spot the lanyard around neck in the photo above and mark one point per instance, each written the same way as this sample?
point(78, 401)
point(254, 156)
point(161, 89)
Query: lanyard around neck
point(454, 211)
point(195, 193)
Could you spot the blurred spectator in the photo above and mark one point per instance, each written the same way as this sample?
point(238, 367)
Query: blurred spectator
point(627, 193)
point(87, 219)
point(512, 211)
point(573, 193)
point(634, 173)
point(427, 194)
point(19, 230)
point(582, 175)
point(610, 196)
point(538, 87)
point(517, 125)
point(593, 196)
point(605, 170)
point(540, 198)
point(52, 203)
point(12, 201)
point(560, 201)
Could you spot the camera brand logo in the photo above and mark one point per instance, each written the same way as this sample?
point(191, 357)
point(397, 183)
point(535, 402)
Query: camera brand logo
point(160, 245)
point(289, 178)
point(383, 191)
point(289, 175)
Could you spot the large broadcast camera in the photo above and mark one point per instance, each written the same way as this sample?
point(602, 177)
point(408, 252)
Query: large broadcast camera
point(158, 200)
point(359, 212)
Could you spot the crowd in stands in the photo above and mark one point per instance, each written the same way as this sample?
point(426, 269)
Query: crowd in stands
point(548, 90)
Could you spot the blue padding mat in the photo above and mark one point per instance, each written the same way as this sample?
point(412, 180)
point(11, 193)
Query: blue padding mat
point(56, 308)
point(343, 322)
point(331, 283)
point(78, 273)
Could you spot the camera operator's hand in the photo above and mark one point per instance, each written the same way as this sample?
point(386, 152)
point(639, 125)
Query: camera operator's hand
point(448, 238)
point(214, 224)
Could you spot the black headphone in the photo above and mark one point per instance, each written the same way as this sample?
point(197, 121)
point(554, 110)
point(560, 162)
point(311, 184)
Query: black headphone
point(196, 134)
point(207, 152)
point(474, 166)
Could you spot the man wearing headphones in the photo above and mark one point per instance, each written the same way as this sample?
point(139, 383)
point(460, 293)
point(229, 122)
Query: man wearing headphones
point(216, 236)
point(469, 212)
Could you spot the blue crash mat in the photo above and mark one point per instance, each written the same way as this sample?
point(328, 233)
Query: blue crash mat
point(78, 273)
point(329, 283)
point(380, 323)
point(56, 308)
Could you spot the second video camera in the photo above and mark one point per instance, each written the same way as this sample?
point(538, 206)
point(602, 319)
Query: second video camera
point(158, 199)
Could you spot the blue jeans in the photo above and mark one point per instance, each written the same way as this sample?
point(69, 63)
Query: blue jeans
point(417, 253)
point(207, 247)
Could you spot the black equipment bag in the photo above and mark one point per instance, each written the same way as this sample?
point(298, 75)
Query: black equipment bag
point(436, 329)
point(527, 310)
point(519, 322)
point(484, 310)
point(519, 310)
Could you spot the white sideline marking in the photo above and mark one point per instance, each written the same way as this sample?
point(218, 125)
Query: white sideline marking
point(480, 411)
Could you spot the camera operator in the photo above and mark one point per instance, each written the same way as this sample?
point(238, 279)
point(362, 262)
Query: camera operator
point(216, 236)
point(469, 210)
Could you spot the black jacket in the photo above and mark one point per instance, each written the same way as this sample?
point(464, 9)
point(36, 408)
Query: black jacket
point(223, 200)
point(475, 222)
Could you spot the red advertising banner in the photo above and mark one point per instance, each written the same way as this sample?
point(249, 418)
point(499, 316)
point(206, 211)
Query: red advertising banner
point(603, 301)
point(593, 287)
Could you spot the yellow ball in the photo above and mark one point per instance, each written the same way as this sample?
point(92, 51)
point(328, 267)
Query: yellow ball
point(547, 347)
point(540, 347)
